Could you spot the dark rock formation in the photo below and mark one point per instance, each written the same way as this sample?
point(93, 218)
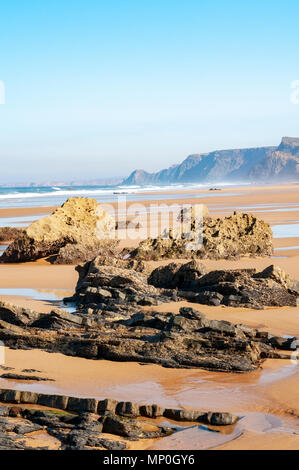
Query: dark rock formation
point(117, 287)
point(35, 378)
point(8, 234)
point(243, 287)
point(278, 163)
point(185, 340)
point(229, 237)
point(177, 275)
point(87, 422)
point(17, 315)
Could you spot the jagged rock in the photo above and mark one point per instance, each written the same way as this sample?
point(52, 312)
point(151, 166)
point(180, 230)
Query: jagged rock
point(242, 287)
point(103, 287)
point(10, 396)
point(177, 275)
point(80, 253)
point(17, 315)
point(58, 318)
point(10, 327)
point(188, 339)
point(8, 234)
point(122, 426)
point(79, 221)
point(82, 439)
point(279, 276)
point(282, 343)
point(229, 237)
point(28, 397)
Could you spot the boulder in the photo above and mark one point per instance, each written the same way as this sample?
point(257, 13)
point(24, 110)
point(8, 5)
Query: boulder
point(79, 221)
point(107, 405)
point(184, 415)
point(53, 401)
point(10, 396)
point(177, 275)
point(221, 419)
point(151, 411)
point(122, 426)
point(127, 408)
point(82, 404)
point(29, 397)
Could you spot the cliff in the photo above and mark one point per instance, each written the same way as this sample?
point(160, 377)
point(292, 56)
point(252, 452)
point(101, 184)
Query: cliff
point(279, 163)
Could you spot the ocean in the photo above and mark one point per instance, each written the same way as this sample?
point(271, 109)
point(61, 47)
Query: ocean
point(42, 196)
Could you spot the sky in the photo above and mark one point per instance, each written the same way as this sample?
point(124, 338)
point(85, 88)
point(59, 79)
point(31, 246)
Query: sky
point(95, 89)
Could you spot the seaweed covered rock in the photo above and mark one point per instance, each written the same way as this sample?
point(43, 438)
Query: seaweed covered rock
point(79, 227)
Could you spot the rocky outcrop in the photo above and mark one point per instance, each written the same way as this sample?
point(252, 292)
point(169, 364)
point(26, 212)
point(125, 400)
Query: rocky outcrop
point(229, 237)
point(75, 231)
point(185, 340)
point(112, 291)
point(236, 288)
point(17, 315)
point(114, 285)
point(86, 423)
point(277, 163)
point(8, 234)
point(177, 275)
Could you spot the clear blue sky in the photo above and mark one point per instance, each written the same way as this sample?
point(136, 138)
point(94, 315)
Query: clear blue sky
point(99, 88)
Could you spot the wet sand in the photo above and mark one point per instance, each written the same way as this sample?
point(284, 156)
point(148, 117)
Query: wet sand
point(269, 394)
point(271, 390)
point(265, 390)
point(38, 275)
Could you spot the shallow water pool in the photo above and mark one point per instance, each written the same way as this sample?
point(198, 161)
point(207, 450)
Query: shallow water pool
point(51, 296)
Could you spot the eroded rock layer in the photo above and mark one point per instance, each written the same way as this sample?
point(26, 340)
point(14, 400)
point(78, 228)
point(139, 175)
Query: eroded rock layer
point(229, 237)
point(185, 340)
point(87, 423)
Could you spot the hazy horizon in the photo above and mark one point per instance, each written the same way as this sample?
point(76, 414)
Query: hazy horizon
point(95, 90)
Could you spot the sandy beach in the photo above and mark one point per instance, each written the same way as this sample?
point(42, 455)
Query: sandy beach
point(270, 391)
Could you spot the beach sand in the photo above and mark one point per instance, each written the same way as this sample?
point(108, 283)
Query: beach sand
point(271, 391)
